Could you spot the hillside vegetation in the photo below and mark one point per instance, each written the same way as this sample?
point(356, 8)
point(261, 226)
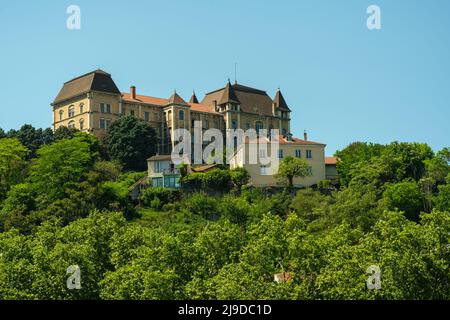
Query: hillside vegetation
point(64, 201)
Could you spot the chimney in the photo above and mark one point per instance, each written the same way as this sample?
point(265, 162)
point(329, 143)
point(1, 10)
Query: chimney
point(133, 92)
point(305, 136)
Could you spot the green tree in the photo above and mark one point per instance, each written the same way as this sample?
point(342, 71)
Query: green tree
point(61, 166)
point(33, 138)
point(441, 200)
point(306, 204)
point(239, 178)
point(404, 196)
point(291, 168)
point(131, 141)
point(352, 156)
point(13, 165)
point(64, 133)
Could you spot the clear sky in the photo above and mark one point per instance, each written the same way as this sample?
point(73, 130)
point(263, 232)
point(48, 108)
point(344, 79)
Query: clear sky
point(343, 82)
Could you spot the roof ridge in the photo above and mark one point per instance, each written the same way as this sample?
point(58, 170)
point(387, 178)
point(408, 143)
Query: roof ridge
point(100, 71)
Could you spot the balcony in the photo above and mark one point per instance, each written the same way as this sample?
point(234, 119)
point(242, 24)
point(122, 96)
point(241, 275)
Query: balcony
point(170, 171)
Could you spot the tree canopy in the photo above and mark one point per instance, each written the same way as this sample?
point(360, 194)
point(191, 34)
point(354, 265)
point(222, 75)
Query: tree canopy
point(131, 142)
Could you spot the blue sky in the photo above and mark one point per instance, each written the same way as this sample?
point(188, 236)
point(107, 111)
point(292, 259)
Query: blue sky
point(343, 82)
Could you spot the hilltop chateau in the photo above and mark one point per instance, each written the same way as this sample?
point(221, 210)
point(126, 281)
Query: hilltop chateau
point(91, 102)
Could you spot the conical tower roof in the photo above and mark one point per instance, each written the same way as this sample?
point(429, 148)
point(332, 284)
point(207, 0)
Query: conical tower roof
point(280, 102)
point(176, 99)
point(228, 96)
point(193, 98)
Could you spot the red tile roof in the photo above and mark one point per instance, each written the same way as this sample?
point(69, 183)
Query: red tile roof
point(297, 141)
point(330, 160)
point(145, 99)
point(163, 102)
point(202, 108)
point(282, 140)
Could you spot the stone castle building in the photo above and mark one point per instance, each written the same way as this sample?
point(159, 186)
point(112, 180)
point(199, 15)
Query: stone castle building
point(91, 102)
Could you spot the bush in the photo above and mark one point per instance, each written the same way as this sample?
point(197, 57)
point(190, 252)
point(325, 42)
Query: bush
point(202, 204)
point(158, 197)
point(239, 177)
point(236, 210)
point(218, 179)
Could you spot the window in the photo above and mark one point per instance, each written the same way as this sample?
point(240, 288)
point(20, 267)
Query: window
point(280, 154)
point(146, 116)
point(71, 124)
point(170, 181)
point(108, 108)
point(258, 126)
point(71, 111)
point(123, 110)
point(262, 153)
point(81, 124)
point(264, 171)
point(157, 182)
point(310, 171)
point(234, 124)
point(102, 107)
point(181, 115)
point(206, 124)
point(61, 115)
point(308, 154)
point(247, 126)
point(132, 112)
point(81, 108)
point(298, 153)
point(108, 123)
point(102, 123)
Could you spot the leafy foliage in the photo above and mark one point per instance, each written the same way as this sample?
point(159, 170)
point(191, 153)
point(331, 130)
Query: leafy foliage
point(131, 142)
point(67, 205)
point(291, 168)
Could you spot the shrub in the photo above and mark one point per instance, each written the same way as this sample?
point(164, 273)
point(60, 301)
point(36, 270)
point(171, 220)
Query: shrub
point(218, 179)
point(234, 209)
point(158, 197)
point(239, 177)
point(201, 204)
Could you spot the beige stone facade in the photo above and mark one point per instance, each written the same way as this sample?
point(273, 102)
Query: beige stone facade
point(92, 102)
point(263, 174)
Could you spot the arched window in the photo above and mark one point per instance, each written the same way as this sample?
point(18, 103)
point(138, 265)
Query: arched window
point(61, 113)
point(81, 124)
point(81, 108)
point(71, 111)
point(71, 124)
